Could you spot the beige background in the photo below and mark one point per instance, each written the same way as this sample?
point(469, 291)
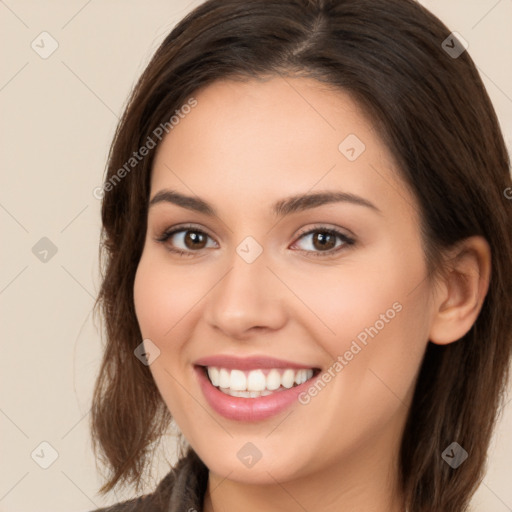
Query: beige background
point(58, 118)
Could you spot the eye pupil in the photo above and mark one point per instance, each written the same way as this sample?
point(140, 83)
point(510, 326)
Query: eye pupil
point(194, 237)
point(326, 240)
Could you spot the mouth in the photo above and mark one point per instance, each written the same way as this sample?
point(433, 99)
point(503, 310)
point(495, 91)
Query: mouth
point(254, 388)
point(258, 382)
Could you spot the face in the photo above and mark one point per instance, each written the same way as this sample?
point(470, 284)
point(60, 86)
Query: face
point(261, 290)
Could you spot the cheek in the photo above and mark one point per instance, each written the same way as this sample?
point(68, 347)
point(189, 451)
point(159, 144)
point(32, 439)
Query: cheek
point(163, 297)
point(340, 304)
point(375, 313)
point(380, 333)
point(387, 327)
point(163, 300)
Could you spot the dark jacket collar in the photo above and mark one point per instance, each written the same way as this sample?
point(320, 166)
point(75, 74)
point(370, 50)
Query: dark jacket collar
point(189, 487)
point(182, 490)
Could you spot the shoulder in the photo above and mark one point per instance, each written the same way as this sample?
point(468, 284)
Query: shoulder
point(183, 486)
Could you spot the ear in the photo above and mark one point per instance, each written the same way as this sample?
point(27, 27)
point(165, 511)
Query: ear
point(461, 290)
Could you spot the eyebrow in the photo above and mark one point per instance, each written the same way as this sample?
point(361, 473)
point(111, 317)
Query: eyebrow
point(281, 208)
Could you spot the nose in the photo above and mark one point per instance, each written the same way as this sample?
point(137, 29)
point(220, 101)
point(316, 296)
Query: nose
point(248, 300)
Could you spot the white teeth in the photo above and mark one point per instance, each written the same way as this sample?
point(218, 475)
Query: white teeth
point(238, 381)
point(214, 375)
point(255, 383)
point(273, 380)
point(256, 394)
point(288, 378)
point(223, 378)
point(246, 394)
point(302, 376)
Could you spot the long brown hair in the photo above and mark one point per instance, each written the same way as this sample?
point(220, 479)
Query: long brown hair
point(430, 107)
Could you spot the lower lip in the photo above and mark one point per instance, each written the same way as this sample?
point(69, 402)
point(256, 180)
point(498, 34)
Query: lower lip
point(248, 409)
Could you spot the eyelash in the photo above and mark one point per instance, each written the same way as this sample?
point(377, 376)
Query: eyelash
point(347, 241)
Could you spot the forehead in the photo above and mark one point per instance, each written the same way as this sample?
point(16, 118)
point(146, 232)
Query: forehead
point(288, 117)
point(274, 138)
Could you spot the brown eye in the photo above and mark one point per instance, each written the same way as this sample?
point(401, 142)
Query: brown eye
point(323, 241)
point(185, 240)
point(195, 239)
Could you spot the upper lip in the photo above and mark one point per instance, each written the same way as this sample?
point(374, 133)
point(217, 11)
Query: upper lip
point(248, 363)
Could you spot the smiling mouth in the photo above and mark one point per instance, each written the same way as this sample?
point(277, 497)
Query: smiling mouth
point(258, 382)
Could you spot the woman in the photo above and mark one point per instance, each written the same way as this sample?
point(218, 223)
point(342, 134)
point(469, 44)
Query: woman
point(308, 263)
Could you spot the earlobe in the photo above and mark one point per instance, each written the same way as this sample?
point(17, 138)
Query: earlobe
point(462, 291)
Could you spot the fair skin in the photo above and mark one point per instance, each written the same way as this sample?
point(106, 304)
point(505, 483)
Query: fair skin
point(244, 147)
